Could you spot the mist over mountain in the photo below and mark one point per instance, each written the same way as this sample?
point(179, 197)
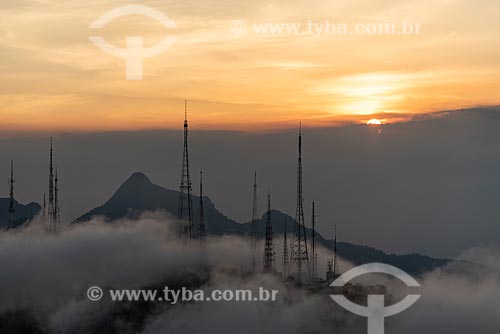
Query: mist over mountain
point(48, 276)
point(138, 195)
point(428, 186)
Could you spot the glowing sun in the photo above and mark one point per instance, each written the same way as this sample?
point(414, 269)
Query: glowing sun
point(374, 121)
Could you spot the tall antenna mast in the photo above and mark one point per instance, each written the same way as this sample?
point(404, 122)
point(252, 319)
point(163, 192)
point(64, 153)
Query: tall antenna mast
point(336, 269)
point(333, 267)
point(51, 208)
point(12, 209)
point(269, 245)
point(56, 217)
point(300, 258)
point(253, 227)
point(185, 214)
point(314, 256)
point(286, 262)
point(201, 227)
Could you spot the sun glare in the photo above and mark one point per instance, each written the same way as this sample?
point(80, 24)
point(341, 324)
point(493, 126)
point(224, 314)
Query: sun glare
point(374, 121)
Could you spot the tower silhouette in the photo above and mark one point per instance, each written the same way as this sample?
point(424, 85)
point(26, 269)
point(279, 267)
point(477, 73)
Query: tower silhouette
point(300, 258)
point(253, 227)
point(314, 255)
point(51, 212)
point(201, 226)
point(57, 213)
point(286, 262)
point(269, 245)
point(333, 267)
point(12, 209)
point(185, 214)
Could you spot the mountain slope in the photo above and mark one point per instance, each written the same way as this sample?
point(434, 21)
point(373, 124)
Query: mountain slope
point(413, 263)
point(139, 194)
point(22, 215)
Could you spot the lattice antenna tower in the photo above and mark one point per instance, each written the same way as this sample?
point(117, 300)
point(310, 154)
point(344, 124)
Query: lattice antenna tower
point(314, 255)
point(299, 257)
point(57, 213)
point(286, 260)
point(50, 223)
point(12, 208)
point(201, 225)
point(336, 268)
point(185, 213)
point(269, 244)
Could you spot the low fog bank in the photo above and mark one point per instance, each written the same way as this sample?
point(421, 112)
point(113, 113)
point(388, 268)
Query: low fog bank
point(43, 269)
point(458, 300)
point(44, 279)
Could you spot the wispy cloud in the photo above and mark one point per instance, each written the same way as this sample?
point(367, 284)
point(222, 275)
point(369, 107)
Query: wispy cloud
point(451, 63)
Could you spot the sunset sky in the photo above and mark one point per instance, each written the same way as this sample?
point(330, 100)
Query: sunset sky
point(54, 79)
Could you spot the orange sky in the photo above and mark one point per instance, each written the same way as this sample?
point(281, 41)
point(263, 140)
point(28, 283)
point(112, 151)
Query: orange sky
point(54, 79)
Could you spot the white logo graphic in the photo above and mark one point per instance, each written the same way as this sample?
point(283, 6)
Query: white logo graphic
point(134, 53)
point(376, 311)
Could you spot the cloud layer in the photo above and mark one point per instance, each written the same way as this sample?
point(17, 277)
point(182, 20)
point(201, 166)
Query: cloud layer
point(47, 276)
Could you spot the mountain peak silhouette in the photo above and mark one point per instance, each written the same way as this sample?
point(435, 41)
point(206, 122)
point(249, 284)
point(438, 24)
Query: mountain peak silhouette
point(138, 194)
point(137, 178)
point(137, 183)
